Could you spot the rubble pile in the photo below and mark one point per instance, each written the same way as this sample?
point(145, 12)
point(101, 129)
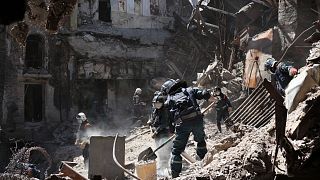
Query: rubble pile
point(66, 153)
point(9, 176)
point(57, 10)
point(37, 12)
point(303, 137)
point(65, 133)
point(244, 154)
point(20, 31)
point(230, 82)
point(248, 152)
point(34, 155)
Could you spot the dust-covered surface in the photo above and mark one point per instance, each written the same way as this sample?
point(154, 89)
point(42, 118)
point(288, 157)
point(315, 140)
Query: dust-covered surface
point(138, 144)
point(246, 154)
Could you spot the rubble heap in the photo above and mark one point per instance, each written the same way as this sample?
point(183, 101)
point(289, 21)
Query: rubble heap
point(245, 154)
point(25, 156)
point(248, 153)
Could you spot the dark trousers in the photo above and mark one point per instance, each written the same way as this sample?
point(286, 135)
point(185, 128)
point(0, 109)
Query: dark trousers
point(221, 115)
point(85, 154)
point(179, 143)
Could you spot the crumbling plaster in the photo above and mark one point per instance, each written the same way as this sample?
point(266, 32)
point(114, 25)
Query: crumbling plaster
point(113, 48)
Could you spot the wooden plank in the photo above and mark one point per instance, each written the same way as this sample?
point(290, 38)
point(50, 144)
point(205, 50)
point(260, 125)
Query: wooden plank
point(188, 158)
point(218, 10)
point(67, 170)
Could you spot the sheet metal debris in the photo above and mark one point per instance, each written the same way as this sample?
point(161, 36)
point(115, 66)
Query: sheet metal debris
point(256, 110)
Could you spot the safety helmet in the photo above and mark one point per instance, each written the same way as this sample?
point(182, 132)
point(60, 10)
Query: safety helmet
point(138, 91)
point(166, 86)
point(158, 101)
point(269, 65)
point(81, 117)
point(171, 86)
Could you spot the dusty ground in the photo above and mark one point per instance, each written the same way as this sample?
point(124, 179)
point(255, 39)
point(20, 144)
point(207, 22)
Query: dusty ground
point(139, 143)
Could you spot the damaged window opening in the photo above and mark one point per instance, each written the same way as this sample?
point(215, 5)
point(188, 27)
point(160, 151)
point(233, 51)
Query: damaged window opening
point(105, 10)
point(34, 51)
point(33, 102)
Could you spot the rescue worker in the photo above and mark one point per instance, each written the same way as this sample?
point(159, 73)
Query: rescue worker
point(160, 122)
point(138, 104)
point(222, 105)
point(182, 102)
point(82, 136)
point(162, 128)
point(283, 73)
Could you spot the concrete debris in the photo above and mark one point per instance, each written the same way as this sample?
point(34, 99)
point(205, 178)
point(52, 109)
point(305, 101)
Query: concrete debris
point(249, 159)
point(88, 38)
point(65, 133)
point(36, 156)
point(37, 12)
point(66, 153)
point(57, 10)
point(314, 52)
point(300, 86)
point(20, 31)
point(226, 75)
point(9, 176)
point(229, 141)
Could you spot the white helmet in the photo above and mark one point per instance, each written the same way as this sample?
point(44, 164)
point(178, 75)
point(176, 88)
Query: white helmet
point(81, 117)
point(138, 91)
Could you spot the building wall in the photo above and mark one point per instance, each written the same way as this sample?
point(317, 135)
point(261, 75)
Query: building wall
point(90, 62)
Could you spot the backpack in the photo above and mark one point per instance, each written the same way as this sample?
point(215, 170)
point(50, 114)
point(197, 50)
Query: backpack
point(184, 103)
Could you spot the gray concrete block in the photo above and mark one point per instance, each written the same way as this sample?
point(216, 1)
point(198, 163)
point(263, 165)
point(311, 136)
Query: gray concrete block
point(100, 157)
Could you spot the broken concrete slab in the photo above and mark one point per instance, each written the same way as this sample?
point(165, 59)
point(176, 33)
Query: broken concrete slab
point(298, 88)
point(101, 162)
point(301, 119)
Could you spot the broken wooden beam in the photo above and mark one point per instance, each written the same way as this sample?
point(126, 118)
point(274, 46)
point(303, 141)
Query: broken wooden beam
point(133, 137)
point(67, 170)
point(211, 25)
point(218, 10)
point(188, 158)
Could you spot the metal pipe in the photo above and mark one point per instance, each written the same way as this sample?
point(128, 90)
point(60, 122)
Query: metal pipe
point(211, 25)
point(218, 10)
point(116, 161)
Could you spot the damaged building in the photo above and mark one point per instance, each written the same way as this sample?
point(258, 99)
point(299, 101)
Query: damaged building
point(65, 57)
point(101, 53)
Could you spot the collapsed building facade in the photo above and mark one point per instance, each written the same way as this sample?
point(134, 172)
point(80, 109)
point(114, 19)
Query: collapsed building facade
point(105, 49)
point(102, 51)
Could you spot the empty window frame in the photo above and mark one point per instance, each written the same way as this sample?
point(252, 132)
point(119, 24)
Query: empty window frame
point(105, 10)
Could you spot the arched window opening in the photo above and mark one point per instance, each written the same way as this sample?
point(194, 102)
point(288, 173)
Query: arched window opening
point(34, 51)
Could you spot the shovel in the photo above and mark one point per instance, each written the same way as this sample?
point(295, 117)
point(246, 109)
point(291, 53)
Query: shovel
point(149, 154)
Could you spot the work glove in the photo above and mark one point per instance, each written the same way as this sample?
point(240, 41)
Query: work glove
point(293, 71)
point(229, 109)
point(77, 142)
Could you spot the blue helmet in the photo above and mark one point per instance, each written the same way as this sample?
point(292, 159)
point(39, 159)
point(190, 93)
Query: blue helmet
point(270, 64)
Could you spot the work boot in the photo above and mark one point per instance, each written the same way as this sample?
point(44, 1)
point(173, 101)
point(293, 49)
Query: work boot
point(174, 174)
